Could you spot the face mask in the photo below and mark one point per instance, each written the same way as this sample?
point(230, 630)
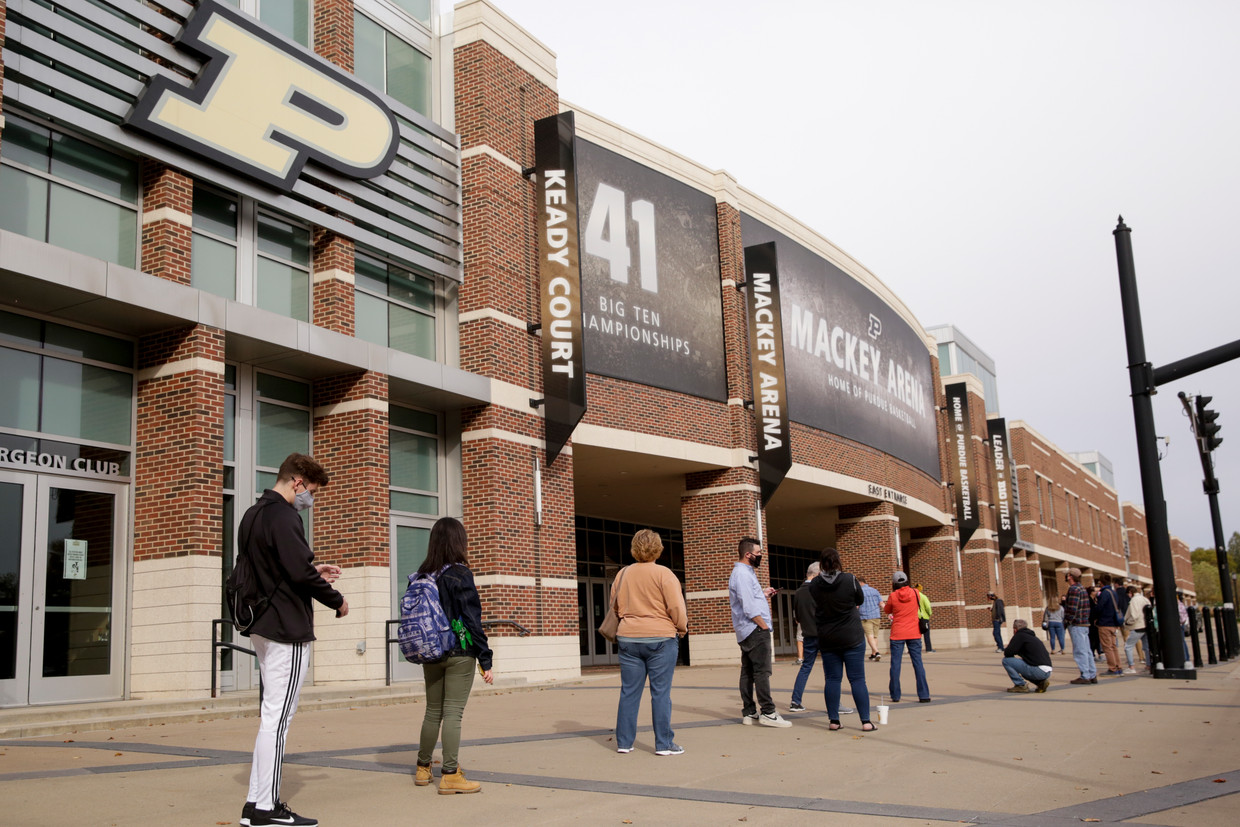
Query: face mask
point(303, 500)
point(757, 560)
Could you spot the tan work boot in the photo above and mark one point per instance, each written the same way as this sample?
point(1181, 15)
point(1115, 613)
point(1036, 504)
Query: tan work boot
point(423, 777)
point(456, 782)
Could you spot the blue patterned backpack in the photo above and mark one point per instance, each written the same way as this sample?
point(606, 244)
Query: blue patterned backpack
point(424, 633)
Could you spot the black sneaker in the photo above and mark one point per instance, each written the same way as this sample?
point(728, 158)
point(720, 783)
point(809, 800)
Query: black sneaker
point(281, 815)
point(795, 707)
point(246, 812)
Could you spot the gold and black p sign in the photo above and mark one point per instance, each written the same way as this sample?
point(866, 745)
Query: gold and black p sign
point(264, 107)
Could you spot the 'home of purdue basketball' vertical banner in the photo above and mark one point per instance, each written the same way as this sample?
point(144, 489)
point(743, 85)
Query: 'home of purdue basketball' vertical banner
point(960, 449)
point(559, 270)
point(1001, 464)
point(766, 356)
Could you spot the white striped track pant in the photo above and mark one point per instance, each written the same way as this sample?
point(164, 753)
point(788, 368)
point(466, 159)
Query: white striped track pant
point(282, 666)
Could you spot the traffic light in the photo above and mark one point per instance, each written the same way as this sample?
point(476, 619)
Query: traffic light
point(1207, 426)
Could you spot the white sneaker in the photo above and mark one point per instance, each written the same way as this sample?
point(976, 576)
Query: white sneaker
point(674, 749)
point(749, 720)
point(624, 750)
point(1130, 671)
point(773, 720)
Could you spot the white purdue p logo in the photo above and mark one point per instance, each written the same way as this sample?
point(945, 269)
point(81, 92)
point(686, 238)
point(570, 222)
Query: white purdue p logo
point(263, 108)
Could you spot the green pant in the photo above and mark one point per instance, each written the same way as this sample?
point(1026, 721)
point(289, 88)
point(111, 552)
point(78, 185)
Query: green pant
point(448, 684)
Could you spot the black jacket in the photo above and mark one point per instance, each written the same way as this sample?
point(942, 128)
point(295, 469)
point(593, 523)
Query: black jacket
point(997, 612)
point(1026, 646)
point(836, 598)
point(806, 611)
point(285, 567)
point(459, 597)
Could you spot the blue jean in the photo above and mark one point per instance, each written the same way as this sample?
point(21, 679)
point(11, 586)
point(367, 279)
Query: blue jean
point(996, 626)
point(1081, 651)
point(1135, 636)
point(1054, 631)
point(639, 660)
point(834, 664)
point(1019, 671)
point(914, 654)
point(809, 647)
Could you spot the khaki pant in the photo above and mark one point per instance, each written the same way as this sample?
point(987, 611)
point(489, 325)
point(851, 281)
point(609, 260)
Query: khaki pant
point(1108, 637)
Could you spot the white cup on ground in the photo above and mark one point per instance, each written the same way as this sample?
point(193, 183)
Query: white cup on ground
point(882, 713)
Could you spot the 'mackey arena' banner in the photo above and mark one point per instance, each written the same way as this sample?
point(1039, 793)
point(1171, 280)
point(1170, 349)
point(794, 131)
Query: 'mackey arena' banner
point(653, 306)
point(766, 358)
point(854, 367)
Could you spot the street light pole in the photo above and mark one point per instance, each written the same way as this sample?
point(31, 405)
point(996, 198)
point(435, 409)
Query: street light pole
point(1141, 379)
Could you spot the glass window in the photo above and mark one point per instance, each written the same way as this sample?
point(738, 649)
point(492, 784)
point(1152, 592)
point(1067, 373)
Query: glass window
point(281, 431)
point(213, 257)
point(290, 18)
point(19, 404)
point(271, 386)
point(413, 460)
point(419, 10)
point(86, 402)
point(96, 346)
point(391, 64)
point(21, 329)
point(394, 307)
point(283, 270)
point(70, 193)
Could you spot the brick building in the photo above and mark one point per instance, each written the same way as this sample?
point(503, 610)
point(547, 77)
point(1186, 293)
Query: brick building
point(352, 270)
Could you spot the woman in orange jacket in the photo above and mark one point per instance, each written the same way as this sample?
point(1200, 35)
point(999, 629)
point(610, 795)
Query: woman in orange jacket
point(902, 605)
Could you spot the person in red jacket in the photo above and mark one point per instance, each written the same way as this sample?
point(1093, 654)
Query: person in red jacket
point(902, 605)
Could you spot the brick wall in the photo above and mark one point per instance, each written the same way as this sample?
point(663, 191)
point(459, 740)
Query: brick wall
point(717, 510)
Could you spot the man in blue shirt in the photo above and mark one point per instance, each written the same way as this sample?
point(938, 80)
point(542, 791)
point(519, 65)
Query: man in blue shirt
point(871, 617)
point(751, 618)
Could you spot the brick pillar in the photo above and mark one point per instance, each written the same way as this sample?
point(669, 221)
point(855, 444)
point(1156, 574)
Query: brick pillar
point(351, 517)
point(867, 536)
point(1012, 587)
point(167, 222)
point(333, 32)
point(527, 572)
point(178, 523)
point(332, 274)
point(1033, 581)
point(735, 326)
point(932, 562)
point(979, 558)
point(717, 509)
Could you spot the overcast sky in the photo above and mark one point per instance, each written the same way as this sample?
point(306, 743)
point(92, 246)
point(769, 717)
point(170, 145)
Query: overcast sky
point(974, 156)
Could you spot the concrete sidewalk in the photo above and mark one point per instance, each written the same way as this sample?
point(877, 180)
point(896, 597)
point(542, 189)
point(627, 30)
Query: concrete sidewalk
point(1129, 749)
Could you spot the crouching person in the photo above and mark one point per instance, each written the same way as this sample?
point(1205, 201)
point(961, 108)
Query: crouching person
point(1025, 658)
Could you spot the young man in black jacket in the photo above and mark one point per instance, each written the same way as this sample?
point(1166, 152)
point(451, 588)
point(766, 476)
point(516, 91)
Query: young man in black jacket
point(1025, 658)
point(272, 535)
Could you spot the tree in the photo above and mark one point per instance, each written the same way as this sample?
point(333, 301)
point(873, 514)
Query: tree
point(1233, 552)
point(1205, 580)
point(1204, 555)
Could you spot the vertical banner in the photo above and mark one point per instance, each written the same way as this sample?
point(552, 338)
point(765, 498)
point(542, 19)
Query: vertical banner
point(766, 356)
point(960, 449)
point(1005, 484)
point(559, 271)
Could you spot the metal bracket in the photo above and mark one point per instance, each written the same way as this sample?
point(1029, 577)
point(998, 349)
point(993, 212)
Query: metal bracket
point(533, 327)
point(534, 403)
point(1141, 379)
point(529, 172)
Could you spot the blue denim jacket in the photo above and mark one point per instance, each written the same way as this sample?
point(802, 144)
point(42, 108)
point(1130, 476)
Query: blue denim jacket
point(747, 600)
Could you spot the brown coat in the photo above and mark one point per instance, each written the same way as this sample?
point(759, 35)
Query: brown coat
point(649, 602)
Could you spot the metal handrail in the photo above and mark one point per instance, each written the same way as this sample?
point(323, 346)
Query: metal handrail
point(390, 639)
point(217, 643)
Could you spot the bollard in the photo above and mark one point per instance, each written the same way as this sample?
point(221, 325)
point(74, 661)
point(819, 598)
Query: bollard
point(1220, 635)
point(1192, 629)
point(1209, 637)
point(1153, 647)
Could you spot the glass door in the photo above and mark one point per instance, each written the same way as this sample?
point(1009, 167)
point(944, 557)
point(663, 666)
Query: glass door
point(593, 596)
point(409, 538)
point(78, 583)
point(17, 519)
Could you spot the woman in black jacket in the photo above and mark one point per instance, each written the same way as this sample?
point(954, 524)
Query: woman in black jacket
point(449, 681)
point(841, 640)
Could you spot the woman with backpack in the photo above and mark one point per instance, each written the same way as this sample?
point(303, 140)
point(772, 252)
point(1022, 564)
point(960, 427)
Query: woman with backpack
point(449, 681)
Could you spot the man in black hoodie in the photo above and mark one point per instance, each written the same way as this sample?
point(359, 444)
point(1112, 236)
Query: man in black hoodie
point(1025, 658)
point(272, 535)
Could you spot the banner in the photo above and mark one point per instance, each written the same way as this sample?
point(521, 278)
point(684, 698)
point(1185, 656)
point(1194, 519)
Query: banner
point(960, 450)
point(766, 358)
point(563, 369)
point(854, 366)
point(650, 271)
point(1005, 485)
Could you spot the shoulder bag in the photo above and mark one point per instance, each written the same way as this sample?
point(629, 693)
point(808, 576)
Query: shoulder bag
point(611, 623)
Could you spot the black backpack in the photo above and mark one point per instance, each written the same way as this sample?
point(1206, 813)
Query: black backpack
point(243, 591)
